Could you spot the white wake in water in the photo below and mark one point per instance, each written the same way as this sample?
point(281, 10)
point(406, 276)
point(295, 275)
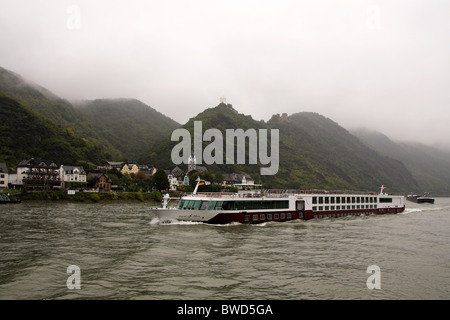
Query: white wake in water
point(411, 210)
point(172, 222)
point(425, 208)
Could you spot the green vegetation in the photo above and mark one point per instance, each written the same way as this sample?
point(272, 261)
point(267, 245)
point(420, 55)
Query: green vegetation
point(132, 125)
point(221, 117)
point(135, 183)
point(24, 134)
point(120, 127)
point(322, 154)
point(160, 180)
point(57, 110)
point(90, 197)
point(214, 179)
point(429, 166)
point(315, 153)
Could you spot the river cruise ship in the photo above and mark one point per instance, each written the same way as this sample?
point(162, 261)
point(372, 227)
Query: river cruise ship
point(276, 205)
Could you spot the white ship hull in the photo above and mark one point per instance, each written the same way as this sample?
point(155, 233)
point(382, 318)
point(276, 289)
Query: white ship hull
point(184, 215)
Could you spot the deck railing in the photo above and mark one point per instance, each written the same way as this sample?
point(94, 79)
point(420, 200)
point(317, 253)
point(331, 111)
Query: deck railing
point(279, 193)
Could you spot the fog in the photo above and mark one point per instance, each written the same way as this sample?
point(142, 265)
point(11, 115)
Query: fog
point(384, 65)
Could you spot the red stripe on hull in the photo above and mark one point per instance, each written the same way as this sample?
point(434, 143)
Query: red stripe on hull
point(353, 212)
point(261, 217)
point(248, 217)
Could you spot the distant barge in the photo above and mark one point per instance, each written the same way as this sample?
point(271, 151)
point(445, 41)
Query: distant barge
point(420, 199)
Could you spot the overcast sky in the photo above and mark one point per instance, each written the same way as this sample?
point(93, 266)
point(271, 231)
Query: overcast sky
point(380, 64)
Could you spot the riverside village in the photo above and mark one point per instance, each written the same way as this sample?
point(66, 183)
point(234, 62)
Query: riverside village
point(112, 180)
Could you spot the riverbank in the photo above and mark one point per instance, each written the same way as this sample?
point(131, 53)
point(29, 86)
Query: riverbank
point(89, 196)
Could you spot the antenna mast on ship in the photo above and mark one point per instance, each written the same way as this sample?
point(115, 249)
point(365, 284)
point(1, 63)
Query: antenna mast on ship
point(196, 187)
point(199, 183)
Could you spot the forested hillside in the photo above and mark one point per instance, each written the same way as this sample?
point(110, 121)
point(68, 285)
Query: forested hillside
point(315, 152)
point(25, 134)
point(429, 166)
point(58, 110)
point(122, 127)
point(133, 125)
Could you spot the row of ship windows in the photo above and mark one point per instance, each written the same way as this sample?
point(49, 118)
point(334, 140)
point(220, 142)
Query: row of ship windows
point(326, 208)
point(337, 215)
point(332, 200)
point(233, 205)
point(268, 216)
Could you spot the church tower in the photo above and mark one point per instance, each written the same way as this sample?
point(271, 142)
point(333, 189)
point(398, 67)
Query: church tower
point(192, 163)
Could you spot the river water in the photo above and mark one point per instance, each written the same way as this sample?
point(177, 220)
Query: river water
point(123, 252)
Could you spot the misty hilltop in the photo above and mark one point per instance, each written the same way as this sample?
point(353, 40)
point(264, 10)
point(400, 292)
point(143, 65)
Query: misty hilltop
point(133, 125)
point(430, 166)
point(25, 134)
point(122, 127)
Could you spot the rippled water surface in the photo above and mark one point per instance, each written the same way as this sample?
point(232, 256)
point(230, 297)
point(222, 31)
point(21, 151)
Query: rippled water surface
point(123, 252)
